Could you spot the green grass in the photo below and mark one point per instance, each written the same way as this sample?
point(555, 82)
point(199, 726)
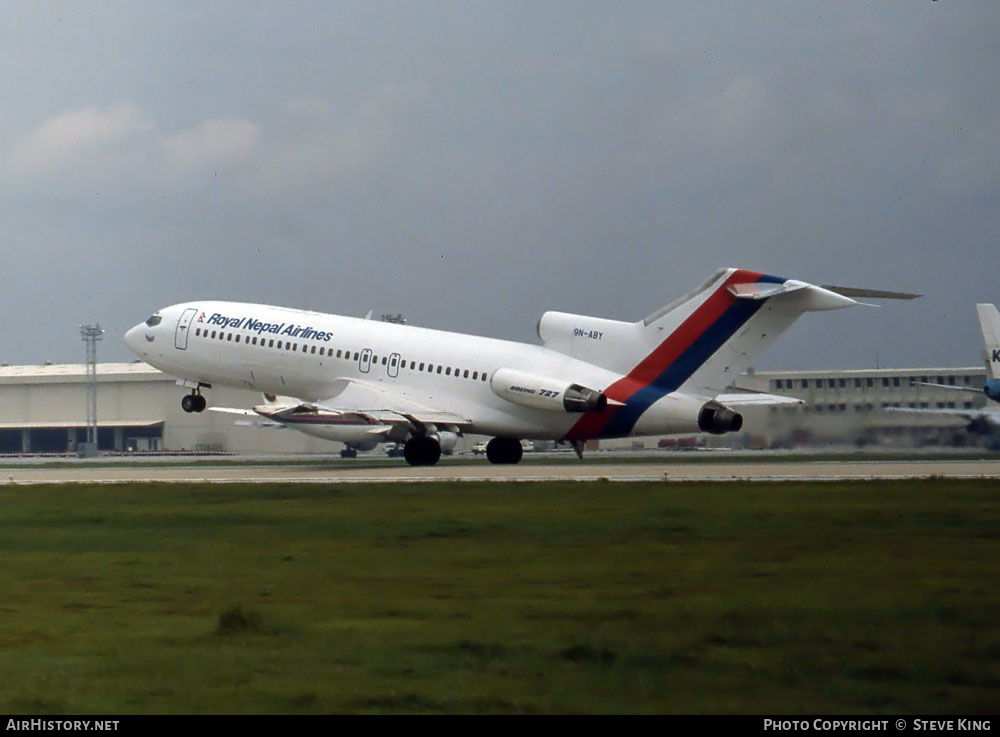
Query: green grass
point(548, 597)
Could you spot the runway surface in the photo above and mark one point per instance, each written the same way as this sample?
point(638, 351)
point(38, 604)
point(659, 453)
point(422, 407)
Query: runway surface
point(723, 470)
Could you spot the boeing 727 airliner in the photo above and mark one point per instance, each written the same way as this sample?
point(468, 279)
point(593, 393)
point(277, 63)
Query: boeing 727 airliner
point(362, 382)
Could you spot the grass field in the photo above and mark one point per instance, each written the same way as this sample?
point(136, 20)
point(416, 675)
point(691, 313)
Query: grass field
point(556, 597)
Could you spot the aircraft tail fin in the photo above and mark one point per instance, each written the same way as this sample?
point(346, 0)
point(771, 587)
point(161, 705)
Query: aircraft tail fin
point(989, 323)
point(704, 342)
point(701, 342)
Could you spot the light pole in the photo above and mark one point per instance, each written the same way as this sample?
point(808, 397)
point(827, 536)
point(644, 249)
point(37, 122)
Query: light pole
point(91, 334)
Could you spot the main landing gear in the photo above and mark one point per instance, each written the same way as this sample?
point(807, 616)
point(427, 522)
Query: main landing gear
point(426, 451)
point(504, 450)
point(422, 451)
point(193, 402)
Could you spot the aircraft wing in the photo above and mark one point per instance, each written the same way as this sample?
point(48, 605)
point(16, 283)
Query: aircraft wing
point(967, 414)
point(966, 389)
point(386, 405)
point(356, 412)
point(256, 419)
point(233, 411)
point(990, 417)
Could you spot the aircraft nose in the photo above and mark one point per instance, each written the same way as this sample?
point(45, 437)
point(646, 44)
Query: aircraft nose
point(135, 338)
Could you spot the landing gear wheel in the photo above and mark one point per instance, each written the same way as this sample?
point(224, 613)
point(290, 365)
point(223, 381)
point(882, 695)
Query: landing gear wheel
point(348, 453)
point(422, 451)
point(504, 450)
point(193, 403)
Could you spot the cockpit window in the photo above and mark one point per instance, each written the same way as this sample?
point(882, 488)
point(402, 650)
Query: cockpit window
point(153, 320)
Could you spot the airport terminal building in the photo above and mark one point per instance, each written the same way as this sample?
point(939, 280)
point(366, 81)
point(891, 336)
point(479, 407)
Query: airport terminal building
point(858, 407)
point(44, 410)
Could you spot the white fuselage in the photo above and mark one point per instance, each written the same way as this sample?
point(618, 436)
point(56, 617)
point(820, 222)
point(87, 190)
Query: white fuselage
point(308, 355)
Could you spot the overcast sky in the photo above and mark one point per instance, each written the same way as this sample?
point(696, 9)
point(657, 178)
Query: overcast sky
point(473, 164)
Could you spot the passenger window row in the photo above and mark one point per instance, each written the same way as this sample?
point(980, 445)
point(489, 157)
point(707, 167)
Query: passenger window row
point(315, 350)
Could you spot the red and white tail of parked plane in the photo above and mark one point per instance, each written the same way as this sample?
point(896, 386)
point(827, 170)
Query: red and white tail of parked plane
point(362, 382)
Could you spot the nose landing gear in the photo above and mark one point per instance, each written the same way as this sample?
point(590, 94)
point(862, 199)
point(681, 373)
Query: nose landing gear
point(193, 402)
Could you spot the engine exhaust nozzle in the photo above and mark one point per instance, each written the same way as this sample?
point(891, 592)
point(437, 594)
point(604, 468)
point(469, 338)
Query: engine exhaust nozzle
point(717, 419)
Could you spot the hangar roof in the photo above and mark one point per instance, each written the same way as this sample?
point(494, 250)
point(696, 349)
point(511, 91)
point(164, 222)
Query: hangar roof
point(56, 425)
point(71, 373)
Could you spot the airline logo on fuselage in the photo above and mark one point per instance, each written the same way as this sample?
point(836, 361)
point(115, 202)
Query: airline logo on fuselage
point(254, 325)
point(996, 356)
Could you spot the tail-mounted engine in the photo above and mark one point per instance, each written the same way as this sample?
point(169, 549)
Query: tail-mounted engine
point(718, 419)
point(544, 392)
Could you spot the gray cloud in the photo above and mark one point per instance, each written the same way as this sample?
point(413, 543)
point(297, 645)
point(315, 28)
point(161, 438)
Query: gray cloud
point(472, 165)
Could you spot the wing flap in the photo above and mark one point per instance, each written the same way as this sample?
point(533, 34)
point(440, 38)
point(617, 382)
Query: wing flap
point(353, 404)
point(387, 406)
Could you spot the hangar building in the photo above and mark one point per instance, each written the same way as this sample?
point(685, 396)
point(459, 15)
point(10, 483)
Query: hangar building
point(43, 409)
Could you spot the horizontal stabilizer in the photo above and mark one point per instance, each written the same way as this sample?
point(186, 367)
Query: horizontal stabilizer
point(763, 290)
point(808, 296)
point(870, 293)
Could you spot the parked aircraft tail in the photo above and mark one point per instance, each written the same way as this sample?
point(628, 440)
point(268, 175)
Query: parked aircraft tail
point(989, 322)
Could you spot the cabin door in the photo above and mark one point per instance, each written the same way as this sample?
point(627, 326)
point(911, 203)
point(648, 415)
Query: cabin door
point(183, 325)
